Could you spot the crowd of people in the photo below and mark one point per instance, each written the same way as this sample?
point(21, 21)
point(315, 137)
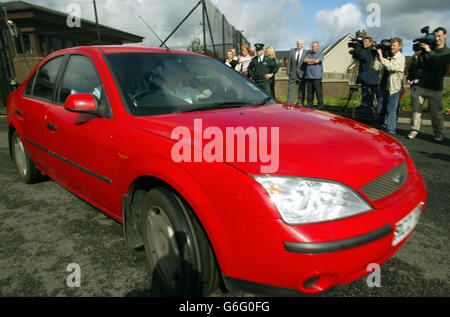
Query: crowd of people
point(380, 77)
point(304, 69)
point(256, 64)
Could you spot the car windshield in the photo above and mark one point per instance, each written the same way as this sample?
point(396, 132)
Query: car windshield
point(161, 83)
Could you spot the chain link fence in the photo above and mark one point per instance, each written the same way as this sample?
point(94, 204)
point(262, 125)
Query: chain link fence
point(196, 25)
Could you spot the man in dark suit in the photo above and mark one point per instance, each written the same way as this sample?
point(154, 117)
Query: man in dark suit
point(262, 68)
point(296, 73)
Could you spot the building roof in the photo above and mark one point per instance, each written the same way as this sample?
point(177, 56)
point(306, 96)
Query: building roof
point(331, 47)
point(22, 12)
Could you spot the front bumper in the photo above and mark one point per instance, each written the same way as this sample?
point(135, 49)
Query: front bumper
point(340, 245)
point(312, 258)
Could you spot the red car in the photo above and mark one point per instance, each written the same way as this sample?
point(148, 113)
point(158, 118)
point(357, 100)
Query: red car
point(214, 178)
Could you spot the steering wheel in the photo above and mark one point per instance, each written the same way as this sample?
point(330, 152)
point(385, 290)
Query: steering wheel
point(139, 95)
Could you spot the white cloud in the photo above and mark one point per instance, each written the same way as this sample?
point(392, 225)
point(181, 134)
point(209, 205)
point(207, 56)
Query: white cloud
point(277, 23)
point(402, 18)
point(340, 21)
point(272, 22)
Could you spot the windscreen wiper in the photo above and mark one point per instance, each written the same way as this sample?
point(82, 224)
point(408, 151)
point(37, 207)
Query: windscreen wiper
point(220, 105)
point(265, 100)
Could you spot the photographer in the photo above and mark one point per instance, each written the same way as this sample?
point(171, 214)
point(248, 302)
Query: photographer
point(367, 77)
point(391, 85)
point(414, 73)
point(434, 66)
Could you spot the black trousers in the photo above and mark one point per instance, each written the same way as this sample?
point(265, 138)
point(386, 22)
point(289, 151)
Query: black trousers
point(314, 86)
point(367, 101)
point(264, 85)
point(272, 87)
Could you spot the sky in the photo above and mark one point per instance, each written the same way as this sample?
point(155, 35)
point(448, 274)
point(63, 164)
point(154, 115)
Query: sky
point(277, 23)
point(280, 22)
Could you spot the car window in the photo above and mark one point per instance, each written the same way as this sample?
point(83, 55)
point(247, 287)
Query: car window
point(45, 84)
point(80, 77)
point(161, 83)
point(29, 87)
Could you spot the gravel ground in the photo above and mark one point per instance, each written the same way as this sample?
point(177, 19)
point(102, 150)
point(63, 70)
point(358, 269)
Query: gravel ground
point(44, 228)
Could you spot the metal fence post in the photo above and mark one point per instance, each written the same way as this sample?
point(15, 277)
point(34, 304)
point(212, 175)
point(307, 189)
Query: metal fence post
point(233, 32)
point(223, 35)
point(179, 24)
point(96, 23)
point(210, 32)
point(204, 26)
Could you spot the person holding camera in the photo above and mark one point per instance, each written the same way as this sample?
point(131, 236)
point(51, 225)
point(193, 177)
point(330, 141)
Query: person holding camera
point(413, 78)
point(367, 77)
point(391, 84)
point(434, 66)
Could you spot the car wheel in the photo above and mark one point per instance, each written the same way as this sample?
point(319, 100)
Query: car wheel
point(178, 251)
point(26, 168)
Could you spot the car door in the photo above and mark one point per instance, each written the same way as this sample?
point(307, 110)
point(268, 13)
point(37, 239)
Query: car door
point(32, 110)
point(82, 142)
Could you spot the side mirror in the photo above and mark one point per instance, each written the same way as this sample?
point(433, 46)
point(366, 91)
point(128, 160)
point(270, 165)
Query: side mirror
point(82, 103)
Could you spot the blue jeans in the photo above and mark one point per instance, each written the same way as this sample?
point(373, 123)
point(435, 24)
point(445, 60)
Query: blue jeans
point(388, 110)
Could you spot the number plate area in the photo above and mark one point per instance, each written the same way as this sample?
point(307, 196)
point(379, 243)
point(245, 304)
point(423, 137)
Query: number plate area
point(405, 226)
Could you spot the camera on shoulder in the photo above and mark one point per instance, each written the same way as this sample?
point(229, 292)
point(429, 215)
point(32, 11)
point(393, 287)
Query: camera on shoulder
point(428, 38)
point(356, 43)
point(385, 46)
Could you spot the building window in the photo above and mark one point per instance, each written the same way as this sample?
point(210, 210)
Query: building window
point(18, 45)
point(57, 44)
point(68, 43)
point(27, 44)
point(43, 44)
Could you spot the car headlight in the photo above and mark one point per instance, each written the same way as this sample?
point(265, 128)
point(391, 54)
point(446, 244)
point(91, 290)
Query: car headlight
point(302, 200)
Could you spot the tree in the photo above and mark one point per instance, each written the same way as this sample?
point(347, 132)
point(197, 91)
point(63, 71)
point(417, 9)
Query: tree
point(196, 46)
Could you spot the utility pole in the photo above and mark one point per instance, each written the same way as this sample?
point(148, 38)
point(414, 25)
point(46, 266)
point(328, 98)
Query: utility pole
point(96, 23)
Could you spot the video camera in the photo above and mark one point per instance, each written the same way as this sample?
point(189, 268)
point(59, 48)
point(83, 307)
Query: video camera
point(385, 47)
point(429, 39)
point(356, 43)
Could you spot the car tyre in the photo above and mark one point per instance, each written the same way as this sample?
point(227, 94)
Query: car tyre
point(28, 172)
point(177, 249)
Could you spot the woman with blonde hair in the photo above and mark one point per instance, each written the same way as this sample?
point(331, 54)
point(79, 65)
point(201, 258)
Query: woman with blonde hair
point(270, 52)
point(244, 60)
point(230, 61)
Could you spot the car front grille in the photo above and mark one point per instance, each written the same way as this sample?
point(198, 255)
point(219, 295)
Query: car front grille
point(387, 183)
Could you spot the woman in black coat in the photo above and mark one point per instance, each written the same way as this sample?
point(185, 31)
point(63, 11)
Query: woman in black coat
point(230, 61)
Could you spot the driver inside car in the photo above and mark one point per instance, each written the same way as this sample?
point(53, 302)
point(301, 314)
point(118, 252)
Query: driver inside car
point(177, 84)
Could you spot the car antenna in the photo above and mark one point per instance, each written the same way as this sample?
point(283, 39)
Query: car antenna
point(154, 33)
